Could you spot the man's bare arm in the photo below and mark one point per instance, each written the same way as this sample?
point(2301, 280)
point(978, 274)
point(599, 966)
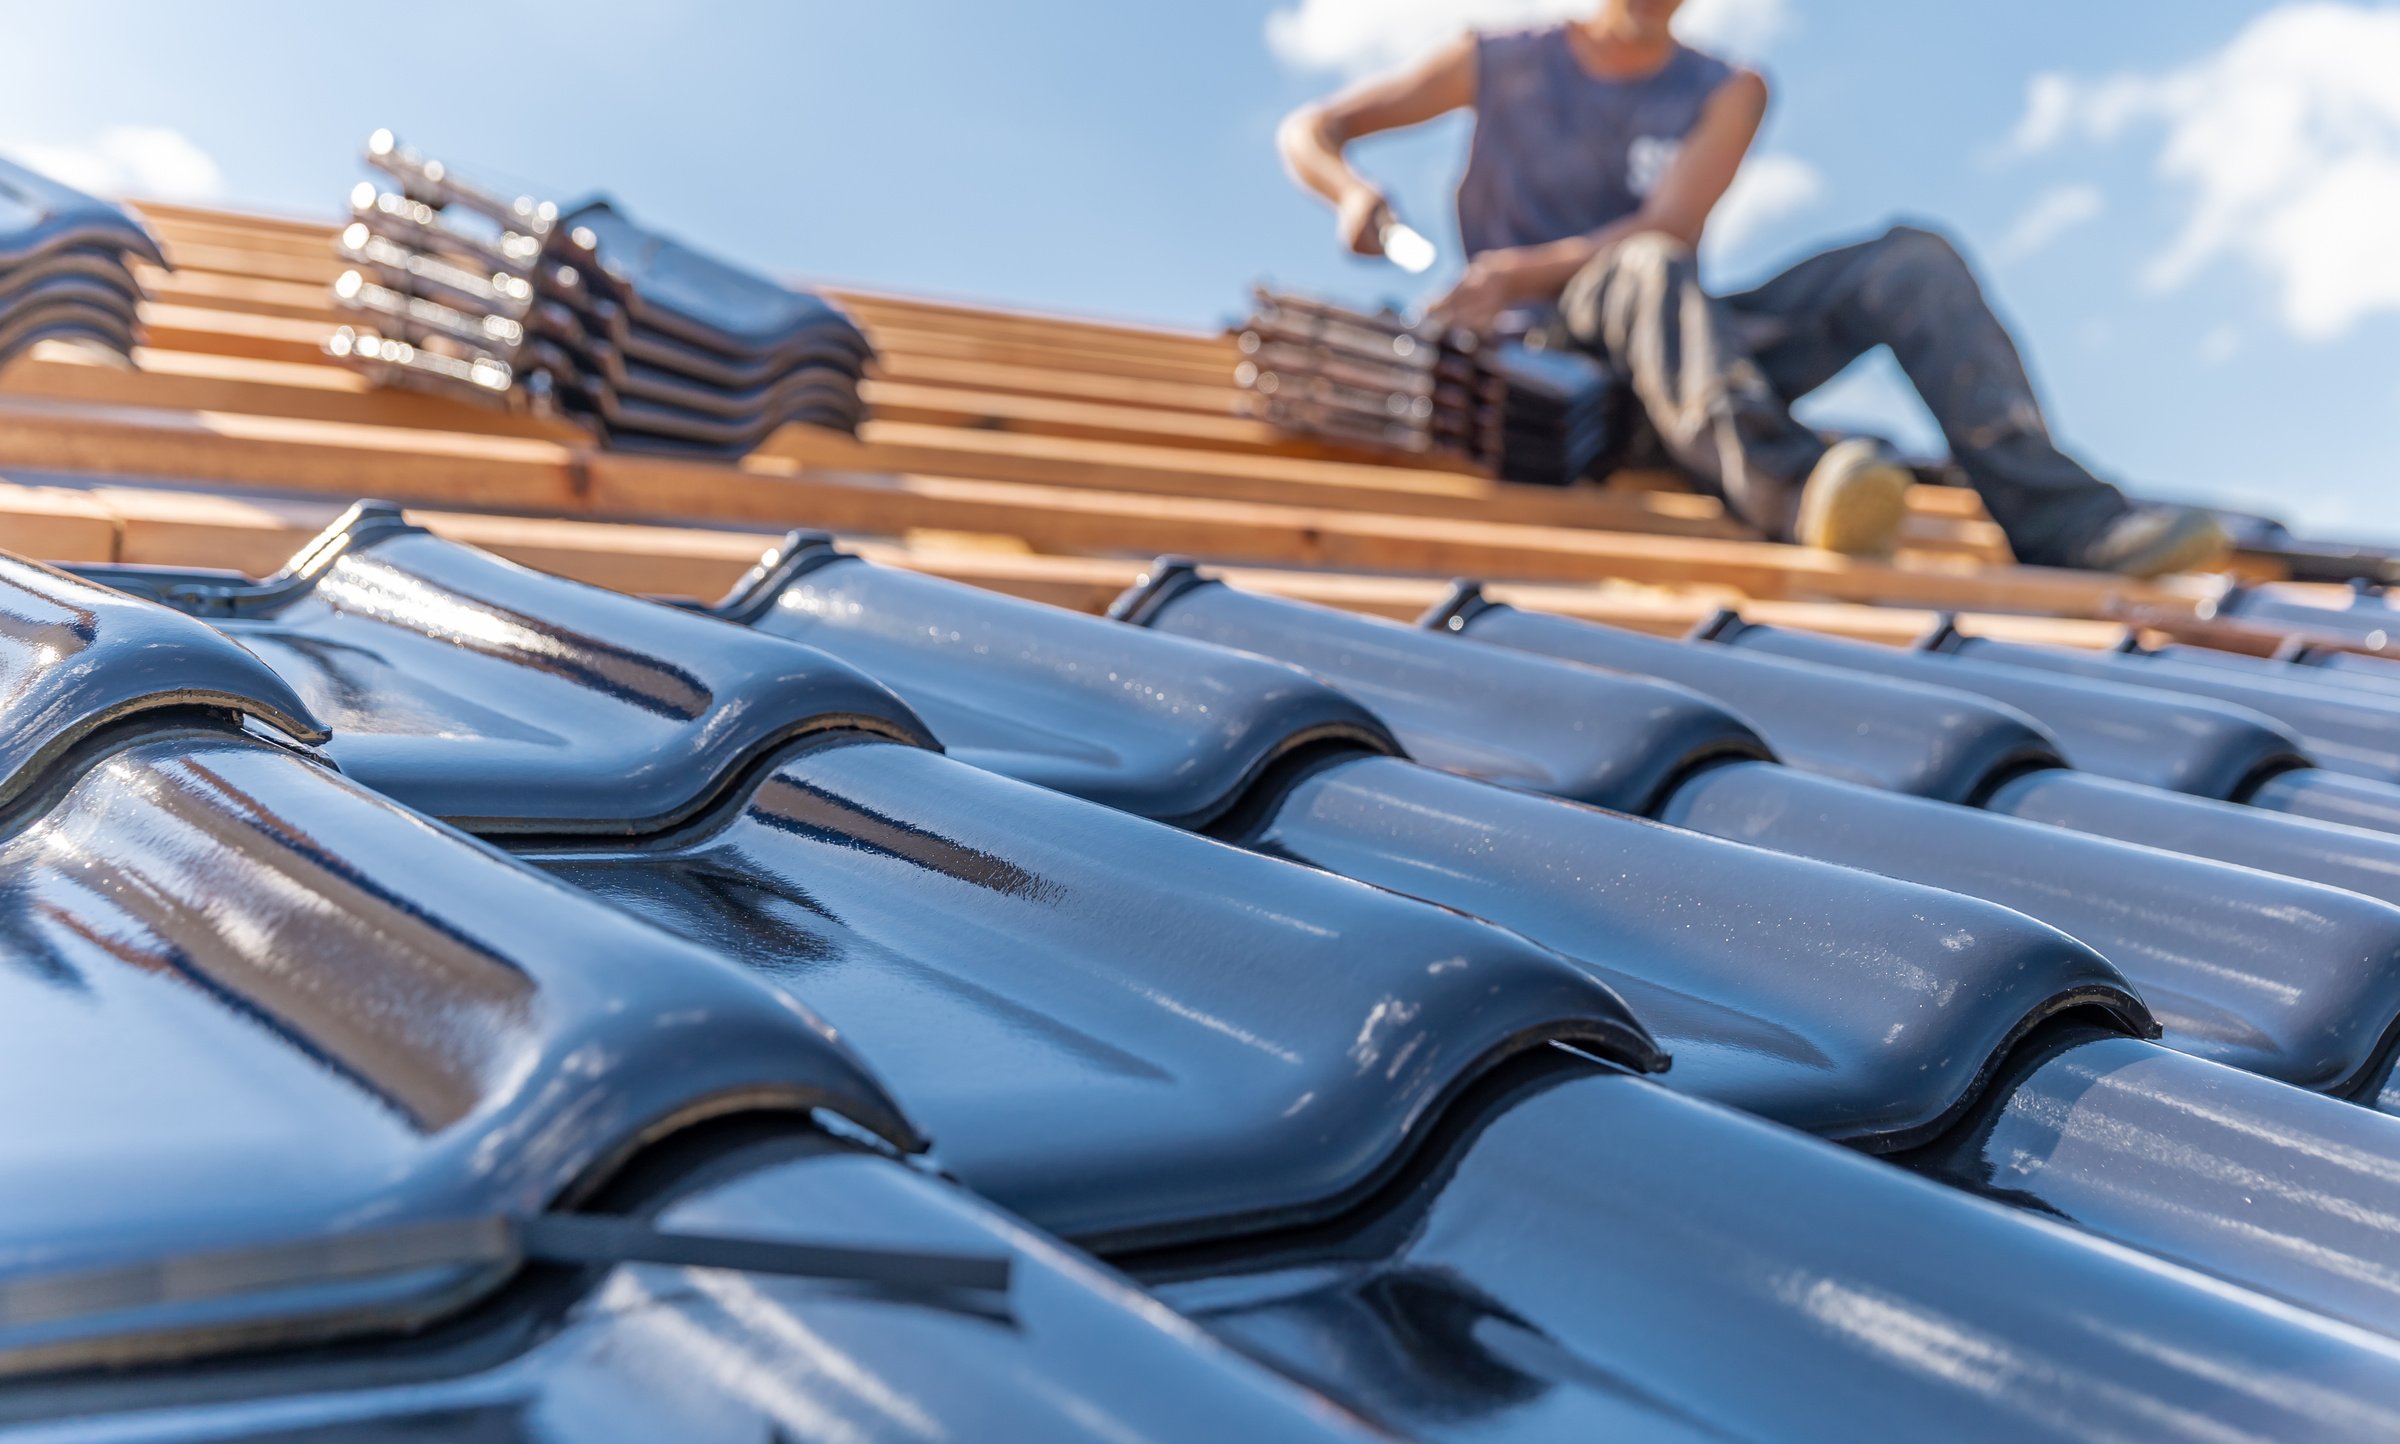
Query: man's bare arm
point(1313, 137)
point(1678, 206)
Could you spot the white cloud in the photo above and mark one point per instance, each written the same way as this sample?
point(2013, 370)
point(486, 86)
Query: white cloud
point(2054, 213)
point(2050, 106)
point(1358, 37)
point(2286, 147)
point(1768, 190)
point(2220, 345)
point(151, 161)
point(1737, 29)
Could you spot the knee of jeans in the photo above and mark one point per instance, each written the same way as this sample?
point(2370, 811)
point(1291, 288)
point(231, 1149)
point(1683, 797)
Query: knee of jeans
point(1648, 259)
point(1921, 250)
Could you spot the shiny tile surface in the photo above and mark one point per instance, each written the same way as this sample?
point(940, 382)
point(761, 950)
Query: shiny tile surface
point(2376, 677)
point(39, 216)
point(2182, 744)
point(248, 1002)
point(2292, 979)
point(1523, 721)
point(508, 701)
point(2324, 796)
point(1836, 1001)
point(2347, 732)
point(1902, 736)
point(1605, 1258)
point(1121, 1031)
point(2356, 858)
point(1135, 719)
point(2283, 1191)
point(75, 657)
point(647, 1353)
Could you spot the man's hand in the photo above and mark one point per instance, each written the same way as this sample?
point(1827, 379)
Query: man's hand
point(1487, 289)
point(1312, 138)
point(1359, 220)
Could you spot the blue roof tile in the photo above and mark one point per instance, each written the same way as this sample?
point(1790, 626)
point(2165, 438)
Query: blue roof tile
point(2345, 731)
point(1325, 1119)
point(1121, 1031)
point(1903, 736)
point(2183, 744)
point(452, 681)
point(1140, 721)
point(75, 657)
point(1598, 1254)
point(294, 1009)
point(645, 1352)
point(1624, 743)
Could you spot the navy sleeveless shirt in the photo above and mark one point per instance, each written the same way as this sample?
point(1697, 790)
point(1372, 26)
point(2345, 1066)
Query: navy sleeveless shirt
point(1560, 152)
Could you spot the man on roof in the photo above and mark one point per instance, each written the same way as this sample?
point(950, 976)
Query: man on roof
point(1600, 148)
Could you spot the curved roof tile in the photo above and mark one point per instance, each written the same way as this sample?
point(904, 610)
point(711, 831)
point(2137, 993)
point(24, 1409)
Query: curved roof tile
point(76, 657)
point(1903, 736)
point(1524, 721)
point(39, 216)
point(1121, 1031)
point(294, 1009)
point(1848, 1004)
point(2183, 744)
point(2281, 976)
point(1711, 1276)
point(1141, 721)
point(504, 700)
point(2349, 732)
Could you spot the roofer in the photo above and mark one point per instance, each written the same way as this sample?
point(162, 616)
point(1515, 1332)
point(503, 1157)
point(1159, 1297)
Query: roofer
point(1600, 148)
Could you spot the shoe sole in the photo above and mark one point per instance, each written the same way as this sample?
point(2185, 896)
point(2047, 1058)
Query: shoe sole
point(1858, 515)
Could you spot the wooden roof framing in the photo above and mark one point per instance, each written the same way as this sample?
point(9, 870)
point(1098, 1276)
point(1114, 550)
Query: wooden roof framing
point(1042, 455)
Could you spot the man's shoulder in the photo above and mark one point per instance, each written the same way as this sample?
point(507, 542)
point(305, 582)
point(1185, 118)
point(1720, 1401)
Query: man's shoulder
point(1709, 74)
point(1525, 39)
point(1715, 67)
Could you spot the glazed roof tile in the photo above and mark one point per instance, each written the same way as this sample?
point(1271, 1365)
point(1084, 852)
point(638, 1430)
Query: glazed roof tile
point(1141, 721)
point(1903, 736)
point(250, 969)
point(1626, 743)
point(2183, 744)
point(463, 684)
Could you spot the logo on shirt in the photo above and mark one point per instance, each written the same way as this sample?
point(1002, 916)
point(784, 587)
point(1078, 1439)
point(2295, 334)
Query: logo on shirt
point(1646, 162)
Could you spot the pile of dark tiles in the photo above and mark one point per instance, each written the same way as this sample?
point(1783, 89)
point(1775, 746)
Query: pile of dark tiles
point(1516, 411)
point(66, 266)
point(580, 312)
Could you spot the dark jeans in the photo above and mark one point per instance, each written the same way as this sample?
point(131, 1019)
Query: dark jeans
point(1717, 376)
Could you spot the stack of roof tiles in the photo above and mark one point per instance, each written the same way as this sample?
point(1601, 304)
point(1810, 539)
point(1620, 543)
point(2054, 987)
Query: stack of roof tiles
point(1502, 1028)
point(581, 312)
point(66, 266)
point(1519, 413)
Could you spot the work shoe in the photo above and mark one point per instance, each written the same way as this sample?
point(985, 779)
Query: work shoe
point(1855, 500)
point(2151, 541)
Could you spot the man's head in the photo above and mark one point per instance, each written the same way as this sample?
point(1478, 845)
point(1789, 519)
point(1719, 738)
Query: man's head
point(1639, 20)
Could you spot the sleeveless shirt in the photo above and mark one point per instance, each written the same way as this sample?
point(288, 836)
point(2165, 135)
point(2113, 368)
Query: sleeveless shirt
point(1560, 152)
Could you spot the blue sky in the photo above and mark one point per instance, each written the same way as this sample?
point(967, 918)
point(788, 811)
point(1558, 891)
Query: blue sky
point(2190, 208)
